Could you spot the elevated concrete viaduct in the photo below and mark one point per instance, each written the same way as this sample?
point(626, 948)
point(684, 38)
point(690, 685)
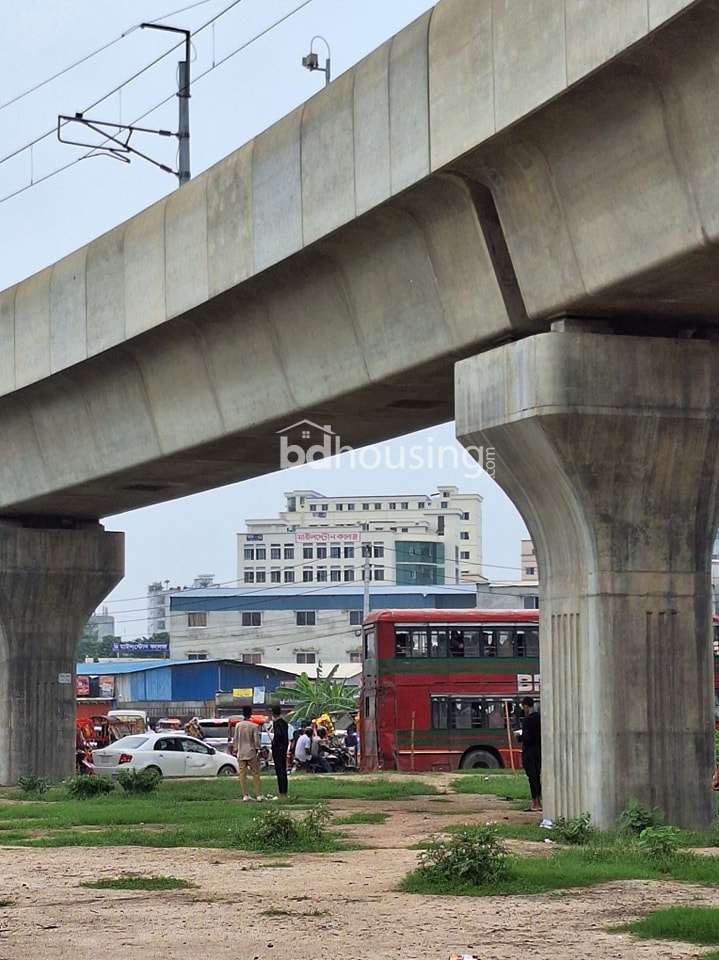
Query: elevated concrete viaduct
point(528, 188)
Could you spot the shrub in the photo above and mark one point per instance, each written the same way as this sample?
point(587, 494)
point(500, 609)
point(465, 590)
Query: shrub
point(635, 818)
point(659, 844)
point(473, 856)
point(143, 781)
point(33, 786)
point(276, 829)
point(574, 830)
point(84, 788)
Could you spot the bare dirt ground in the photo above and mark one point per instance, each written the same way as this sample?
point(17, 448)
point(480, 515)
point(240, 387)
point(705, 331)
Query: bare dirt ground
point(359, 914)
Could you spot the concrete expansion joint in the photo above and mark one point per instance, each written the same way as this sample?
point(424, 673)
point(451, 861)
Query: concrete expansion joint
point(633, 327)
point(49, 523)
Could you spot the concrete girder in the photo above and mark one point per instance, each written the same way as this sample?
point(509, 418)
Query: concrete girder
point(607, 445)
point(196, 404)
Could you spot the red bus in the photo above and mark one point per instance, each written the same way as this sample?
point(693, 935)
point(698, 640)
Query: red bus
point(441, 688)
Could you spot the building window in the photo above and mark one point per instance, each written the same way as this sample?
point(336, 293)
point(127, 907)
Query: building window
point(405, 505)
point(335, 575)
point(379, 573)
point(321, 553)
point(322, 575)
point(464, 535)
point(339, 506)
point(349, 575)
point(252, 619)
point(405, 529)
point(531, 603)
point(350, 506)
point(421, 505)
point(197, 656)
point(378, 550)
point(307, 553)
point(260, 576)
point(378, 506)
point(393, 506)
point(335, 552)
point(349, 553)
point(464, 555)
point(251, 658)
point(530, 571)
point(307, 576)
point(325, 507)
point(197, 619)
point(365, 506)
point(249, 553)
point(306, 658)
point(289, 576)
point(355, 618)
point(465, 516)
point(275, 576)
point(289, 552)
point(313, 507)
point(355, 656)
point(306, 618)
point(275, 552)
point(249, 576)
point(260, 553)
point(444, 504)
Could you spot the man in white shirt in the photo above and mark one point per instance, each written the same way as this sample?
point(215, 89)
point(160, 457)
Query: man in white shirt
point(303, 748)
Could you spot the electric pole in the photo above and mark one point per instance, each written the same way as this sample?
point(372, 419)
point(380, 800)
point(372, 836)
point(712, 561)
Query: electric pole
point(183, 94)
point(366, 575)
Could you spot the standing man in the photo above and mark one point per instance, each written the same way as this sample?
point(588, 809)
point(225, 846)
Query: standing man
point(247, 747)
point(532, 750)
point(280, 744)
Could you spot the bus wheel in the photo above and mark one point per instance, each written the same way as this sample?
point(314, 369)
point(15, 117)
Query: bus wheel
point(479, 760)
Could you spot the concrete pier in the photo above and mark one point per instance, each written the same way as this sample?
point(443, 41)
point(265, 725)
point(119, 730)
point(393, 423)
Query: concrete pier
point(51, 580)
point(608, 447)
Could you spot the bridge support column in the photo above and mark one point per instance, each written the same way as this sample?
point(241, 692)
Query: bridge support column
point(609, 447)
point(51, 580)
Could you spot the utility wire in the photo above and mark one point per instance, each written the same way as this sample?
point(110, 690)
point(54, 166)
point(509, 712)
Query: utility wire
point(152, 109)
point(94, 53)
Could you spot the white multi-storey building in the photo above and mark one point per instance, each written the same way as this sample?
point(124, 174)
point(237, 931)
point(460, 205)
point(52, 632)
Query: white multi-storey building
point(404, 539)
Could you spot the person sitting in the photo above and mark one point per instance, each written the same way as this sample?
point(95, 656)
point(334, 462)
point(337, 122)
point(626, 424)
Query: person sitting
point(352, 742)
point(303, 749)
point(320, 746)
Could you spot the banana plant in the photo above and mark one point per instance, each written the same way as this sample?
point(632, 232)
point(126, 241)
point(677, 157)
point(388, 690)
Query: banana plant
point(312, 698)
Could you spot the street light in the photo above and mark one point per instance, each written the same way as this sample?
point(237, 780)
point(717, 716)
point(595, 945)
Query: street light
point(312, 61)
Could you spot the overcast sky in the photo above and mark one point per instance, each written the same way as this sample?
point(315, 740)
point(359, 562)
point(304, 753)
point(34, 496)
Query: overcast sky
point(232, 104)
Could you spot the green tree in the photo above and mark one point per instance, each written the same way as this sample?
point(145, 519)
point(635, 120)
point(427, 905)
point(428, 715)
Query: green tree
point(312, 698)
point(90, 645)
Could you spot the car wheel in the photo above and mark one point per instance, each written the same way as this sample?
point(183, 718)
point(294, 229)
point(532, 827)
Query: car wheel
point(479, 760)
point(155, 769)
point(226, 771)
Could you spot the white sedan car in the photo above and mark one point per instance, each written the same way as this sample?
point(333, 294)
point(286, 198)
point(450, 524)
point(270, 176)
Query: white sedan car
point(172, 755)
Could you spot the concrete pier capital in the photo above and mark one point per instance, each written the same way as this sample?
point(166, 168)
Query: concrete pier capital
point(608, 447)
point(51, 580)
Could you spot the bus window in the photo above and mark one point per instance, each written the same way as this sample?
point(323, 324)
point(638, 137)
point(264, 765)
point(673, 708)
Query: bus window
point(494, 710)
point(418, 643)
point(438, 643)
point(471, 643)
point(370, 647)
point(456, 643)
point(489, 647)
point(401, 643)
point(505, 644)
point(466, 714)
point(439, 713)
point(532, 642)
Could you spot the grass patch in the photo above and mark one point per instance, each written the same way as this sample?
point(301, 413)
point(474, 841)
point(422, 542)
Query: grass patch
point(362, 816)
point(505, 786)
point(5, 902)
point(138, 883)
point(699, 925)
point(572, 868)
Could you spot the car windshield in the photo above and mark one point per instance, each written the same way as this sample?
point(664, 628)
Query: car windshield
point(129, 742)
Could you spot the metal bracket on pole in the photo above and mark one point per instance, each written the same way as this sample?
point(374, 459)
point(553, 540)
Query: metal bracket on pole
point(114, 145)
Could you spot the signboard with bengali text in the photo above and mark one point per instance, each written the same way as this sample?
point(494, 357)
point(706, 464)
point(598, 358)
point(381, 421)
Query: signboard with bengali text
point(327, 536)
